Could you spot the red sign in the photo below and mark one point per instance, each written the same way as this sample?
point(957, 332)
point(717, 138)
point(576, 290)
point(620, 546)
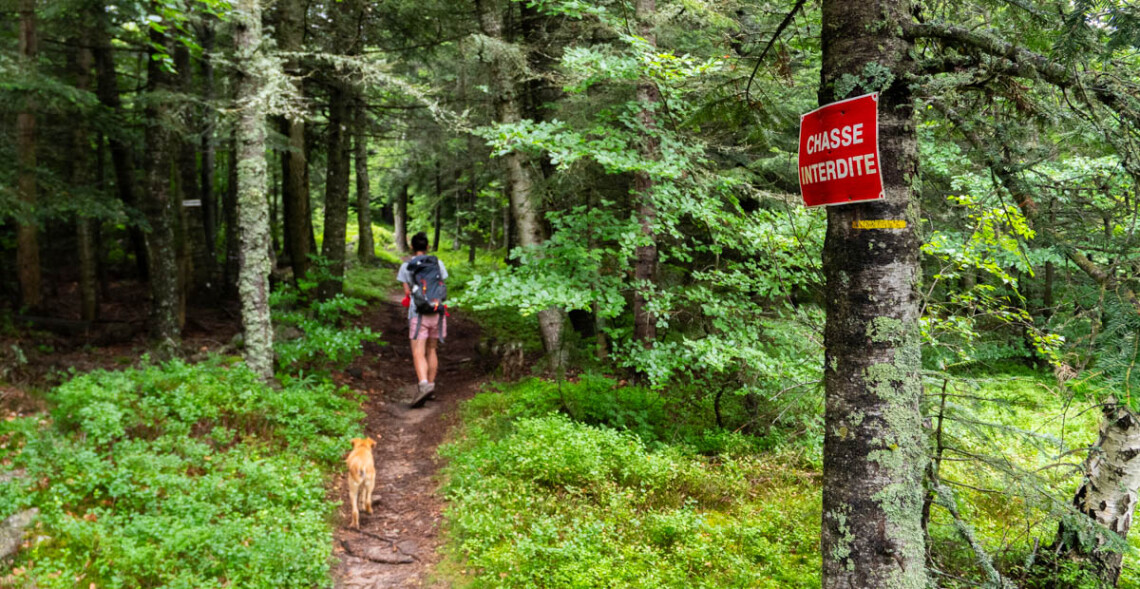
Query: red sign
point(839, 152)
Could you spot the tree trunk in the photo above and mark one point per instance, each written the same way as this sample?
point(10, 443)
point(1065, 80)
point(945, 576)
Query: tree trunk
point(437, 221)
point(645, 269)
point(874, 453)
point(400, 213)
point(27, 232)
point(253, 209)
point(1108, 494)
point(186, 164)
point(294, 163)
point(230, 212)
point(159, 210)
point(525, 206)
point(336, 189)
point(81, 177)
point(192, 253)
point(209, 198)
point(366, 249)
point(107, 88)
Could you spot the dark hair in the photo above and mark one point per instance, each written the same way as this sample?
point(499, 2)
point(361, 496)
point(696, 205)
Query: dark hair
point(419, 242)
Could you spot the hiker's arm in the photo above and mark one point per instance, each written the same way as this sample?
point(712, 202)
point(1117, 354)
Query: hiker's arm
point(407, 289)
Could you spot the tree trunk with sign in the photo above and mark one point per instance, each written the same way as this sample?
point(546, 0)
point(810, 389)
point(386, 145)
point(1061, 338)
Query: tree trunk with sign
point(873, 446)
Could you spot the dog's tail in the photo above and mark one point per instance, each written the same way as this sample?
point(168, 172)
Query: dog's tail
point(357, 471)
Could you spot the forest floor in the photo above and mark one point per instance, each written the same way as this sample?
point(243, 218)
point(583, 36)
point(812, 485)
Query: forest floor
point(396, 545)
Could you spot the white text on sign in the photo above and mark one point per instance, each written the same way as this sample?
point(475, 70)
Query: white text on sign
point(837, 137)
point(847, 167)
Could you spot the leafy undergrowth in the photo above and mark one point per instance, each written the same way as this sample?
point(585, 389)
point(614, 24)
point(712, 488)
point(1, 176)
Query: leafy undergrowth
point(540, 500)
point(180, 476)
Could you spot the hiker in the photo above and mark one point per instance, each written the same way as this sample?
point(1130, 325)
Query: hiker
point(424, 292)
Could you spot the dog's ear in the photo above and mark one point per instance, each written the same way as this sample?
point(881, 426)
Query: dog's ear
point(356, 442)
point(371, 442)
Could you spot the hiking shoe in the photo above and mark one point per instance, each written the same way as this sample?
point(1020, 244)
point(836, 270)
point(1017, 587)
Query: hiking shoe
point(423, 389)
point(431, 390)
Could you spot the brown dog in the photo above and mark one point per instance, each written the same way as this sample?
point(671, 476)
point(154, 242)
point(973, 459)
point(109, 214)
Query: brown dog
point(361, 476)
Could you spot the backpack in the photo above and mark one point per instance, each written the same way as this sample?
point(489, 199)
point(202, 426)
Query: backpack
point(428, 290)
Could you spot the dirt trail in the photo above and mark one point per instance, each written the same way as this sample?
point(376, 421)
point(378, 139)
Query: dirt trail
point(396, 545)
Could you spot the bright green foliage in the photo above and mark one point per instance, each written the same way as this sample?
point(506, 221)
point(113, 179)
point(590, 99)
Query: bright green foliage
point(185, 476)
point(325, 339)
point(549, 502)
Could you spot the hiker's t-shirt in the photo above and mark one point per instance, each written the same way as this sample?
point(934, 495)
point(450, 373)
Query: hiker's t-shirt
point(406, 277)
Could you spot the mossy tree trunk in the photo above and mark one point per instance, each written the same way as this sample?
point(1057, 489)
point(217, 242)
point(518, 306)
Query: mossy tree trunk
point(873, 447)
point(253, 209)
point(366, 249)
point(27, 232)
point(295, 202)
point(158, 206)
point(525, 199)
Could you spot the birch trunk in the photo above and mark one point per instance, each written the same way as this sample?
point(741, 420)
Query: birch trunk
point(253, 209)
point(1108, 494)
point(525, 207)
point(874, 454)
point(366, 249)
point(27, 232)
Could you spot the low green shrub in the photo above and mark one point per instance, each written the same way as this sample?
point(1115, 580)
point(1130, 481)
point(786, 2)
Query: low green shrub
point(184, 476)
point(323, 338)
point(540, 500)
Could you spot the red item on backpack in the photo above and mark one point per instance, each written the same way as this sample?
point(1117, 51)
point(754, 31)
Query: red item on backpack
point(407, 302)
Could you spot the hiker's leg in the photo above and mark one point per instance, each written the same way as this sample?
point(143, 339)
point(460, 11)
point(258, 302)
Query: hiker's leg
point(432, 359)
point(419, 359)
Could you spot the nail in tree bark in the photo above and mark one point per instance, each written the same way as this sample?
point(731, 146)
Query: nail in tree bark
point(253, 209)
point(366, 249)
point(27, 232)
point(873, 446)
point(158, 206)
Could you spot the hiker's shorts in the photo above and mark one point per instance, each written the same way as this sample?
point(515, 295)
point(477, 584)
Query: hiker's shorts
point(430, 327)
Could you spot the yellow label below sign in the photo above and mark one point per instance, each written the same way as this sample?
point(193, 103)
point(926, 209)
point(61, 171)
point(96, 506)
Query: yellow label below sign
point(879, 224)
